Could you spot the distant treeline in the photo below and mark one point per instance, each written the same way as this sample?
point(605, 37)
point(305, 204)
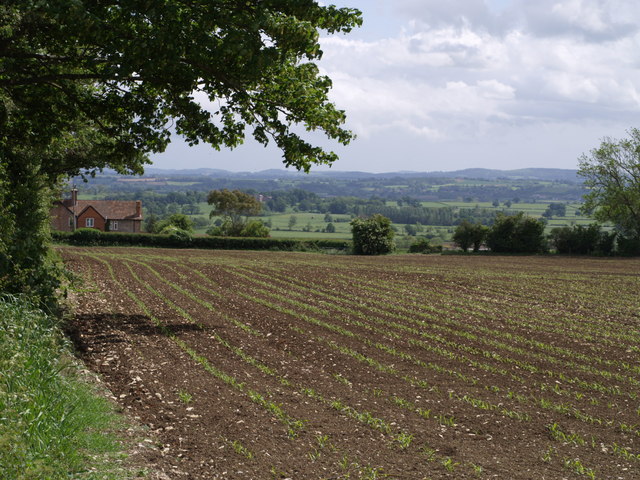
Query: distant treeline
point(405, 210)
point(389, 188)
point(162, 204)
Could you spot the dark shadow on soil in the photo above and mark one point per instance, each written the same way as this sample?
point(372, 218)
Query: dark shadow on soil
point(102, 329)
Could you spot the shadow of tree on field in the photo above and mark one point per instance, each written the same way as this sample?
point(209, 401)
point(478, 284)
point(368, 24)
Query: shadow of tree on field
point(99, 331)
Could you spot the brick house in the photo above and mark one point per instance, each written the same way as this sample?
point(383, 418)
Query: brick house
point(104, 215)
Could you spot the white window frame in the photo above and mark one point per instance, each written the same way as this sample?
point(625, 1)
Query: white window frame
point(113, 225)
point(89, 222)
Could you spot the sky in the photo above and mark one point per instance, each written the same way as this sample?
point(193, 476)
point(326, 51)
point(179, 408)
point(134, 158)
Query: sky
point(441, 85)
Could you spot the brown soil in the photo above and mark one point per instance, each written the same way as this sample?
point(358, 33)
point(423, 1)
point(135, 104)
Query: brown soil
point(255, 365)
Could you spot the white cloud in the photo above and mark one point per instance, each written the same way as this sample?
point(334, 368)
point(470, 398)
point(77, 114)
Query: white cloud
point(445, 84)
point(454, 80)
point(438, 13)
point(592, 20)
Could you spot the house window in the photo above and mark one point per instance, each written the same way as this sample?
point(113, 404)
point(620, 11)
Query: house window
point(114, 225)
point(89, 223)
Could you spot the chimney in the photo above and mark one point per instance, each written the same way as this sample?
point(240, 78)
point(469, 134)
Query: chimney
point(138, 208)
point(74, 196)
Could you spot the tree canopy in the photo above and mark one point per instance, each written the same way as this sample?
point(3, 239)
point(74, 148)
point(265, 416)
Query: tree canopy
point(469, 235)
point(612, 175)
point(234, 206)
point(87, 84)
point(110, 80)
point(372, 236)
point(516, 234)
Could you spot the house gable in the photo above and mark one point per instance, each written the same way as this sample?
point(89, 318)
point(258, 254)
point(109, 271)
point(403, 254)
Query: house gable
point(90, 218)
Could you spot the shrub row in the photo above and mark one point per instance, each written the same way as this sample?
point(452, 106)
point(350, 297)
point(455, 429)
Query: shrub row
point(423, 245)
point(92, 237)
point(581, 240)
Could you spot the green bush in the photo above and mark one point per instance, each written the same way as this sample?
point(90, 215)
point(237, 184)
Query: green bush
point(469, 235)
point(423, 245)
point(516, 234)
point(226, 228)
point(85, 237)
point(579, 240)
point(177, 220)
point(178, 235)
point(628, 246)
point(255, 228)
point(372, 236)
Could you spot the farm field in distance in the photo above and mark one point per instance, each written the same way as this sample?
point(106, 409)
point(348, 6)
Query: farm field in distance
point(261, 365)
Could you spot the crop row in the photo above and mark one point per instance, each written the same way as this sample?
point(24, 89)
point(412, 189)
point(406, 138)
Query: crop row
point(388, 358)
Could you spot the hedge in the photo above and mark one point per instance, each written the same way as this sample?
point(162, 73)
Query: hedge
point(92, 237)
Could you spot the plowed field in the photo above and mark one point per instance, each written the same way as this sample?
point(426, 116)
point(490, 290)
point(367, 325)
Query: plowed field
point(259, 365)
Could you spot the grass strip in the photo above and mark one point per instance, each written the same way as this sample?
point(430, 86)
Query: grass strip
point(52, 424)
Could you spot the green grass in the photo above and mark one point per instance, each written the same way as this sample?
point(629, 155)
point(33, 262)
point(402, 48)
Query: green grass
point(311, 225)
point(52, 424)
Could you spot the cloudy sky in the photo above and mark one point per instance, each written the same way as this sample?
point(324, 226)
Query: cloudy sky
point(450, 84)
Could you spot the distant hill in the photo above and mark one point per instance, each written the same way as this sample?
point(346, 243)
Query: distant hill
point(548, 174)
point(543, 174)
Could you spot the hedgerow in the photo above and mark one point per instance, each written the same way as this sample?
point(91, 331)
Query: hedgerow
point(98, 238)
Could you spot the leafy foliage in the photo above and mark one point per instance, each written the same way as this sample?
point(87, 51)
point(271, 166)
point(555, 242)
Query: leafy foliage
point(234, 207)
point(125, 71)
point(555, 210)
point(516, 234)
point(89, 85)
point(422, 245)
point(372, 236)
point(177, 241)
point(469, 235)
point(178, 235)
point(86, 236)
point(26, 265)
point(255, 228)
point(173, 222)
point(581, 240)
point(612, 174)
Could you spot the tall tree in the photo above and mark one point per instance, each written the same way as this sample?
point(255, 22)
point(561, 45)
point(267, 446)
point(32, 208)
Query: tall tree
point(611, 172)
point(87, 84)
point(234, 206)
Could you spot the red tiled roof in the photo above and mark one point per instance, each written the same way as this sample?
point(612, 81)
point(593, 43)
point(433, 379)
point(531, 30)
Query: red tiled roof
point(109, 209)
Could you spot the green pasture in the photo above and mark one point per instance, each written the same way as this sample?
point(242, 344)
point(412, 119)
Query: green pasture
point(312, 225)
point(182, 184)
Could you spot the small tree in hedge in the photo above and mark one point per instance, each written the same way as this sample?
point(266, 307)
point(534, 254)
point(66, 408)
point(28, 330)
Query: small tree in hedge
point(516, 234)
point(469, 235)
point(580, 240)
point(372, 236)
point(423, 245)
point(176, 221)
point(255, 228)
